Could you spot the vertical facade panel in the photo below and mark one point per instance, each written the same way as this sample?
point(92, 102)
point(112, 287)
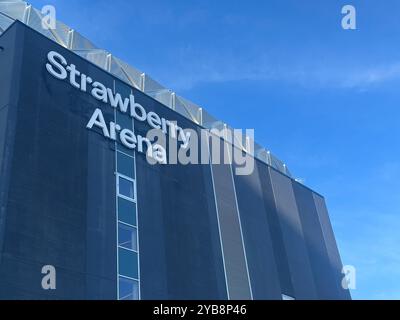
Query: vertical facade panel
point(101, 229)
point(257, 238)
point(321, 267)
point(293, 237)
point(278, 244)
point(10, 66)
point(11, 43)
point(180, 251)
point(153, 251)
point(330, 242)
point(236, 268)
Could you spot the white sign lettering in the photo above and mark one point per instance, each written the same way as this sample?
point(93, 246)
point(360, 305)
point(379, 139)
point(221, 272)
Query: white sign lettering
point(59, 68)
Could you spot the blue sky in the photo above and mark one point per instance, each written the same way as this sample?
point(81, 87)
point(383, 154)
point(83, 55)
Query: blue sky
point(323, 99)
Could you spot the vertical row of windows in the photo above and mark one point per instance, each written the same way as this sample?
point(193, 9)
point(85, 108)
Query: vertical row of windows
point(127, 233)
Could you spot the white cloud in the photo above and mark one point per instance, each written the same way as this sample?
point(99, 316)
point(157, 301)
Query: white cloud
point(193, 67)
point(372, 76)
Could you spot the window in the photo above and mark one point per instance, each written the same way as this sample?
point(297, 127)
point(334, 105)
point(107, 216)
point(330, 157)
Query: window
point(128, 289)
point(126, 188)
point(127, 236)
point(125, 165)
point(128, 263)
point(126, 211)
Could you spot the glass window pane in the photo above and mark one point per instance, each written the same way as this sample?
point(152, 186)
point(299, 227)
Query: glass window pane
point(124, 149)
point(128, 289)
point(128, 263)
point(126, 188)
point(126, 211)
point(127, 237)
point(125, 165)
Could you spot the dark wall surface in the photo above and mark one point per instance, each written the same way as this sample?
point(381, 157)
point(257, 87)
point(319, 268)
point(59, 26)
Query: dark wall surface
point(258, 239)
point(180, 250)
point(204, 232)
point(60, 208)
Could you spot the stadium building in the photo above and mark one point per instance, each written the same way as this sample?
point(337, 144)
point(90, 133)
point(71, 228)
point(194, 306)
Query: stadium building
point(78, 192)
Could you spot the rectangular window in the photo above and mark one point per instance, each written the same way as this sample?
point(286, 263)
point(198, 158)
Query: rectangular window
point(126, 187)
point(128, 289)
point(127, 237)
point(128, 263)
point(126, 211)
point(125, 165)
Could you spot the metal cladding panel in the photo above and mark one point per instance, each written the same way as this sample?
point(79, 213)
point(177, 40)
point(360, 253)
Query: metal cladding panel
point(153, 248)
point(236, 268)
point(257, 238)
point(4, 136)
point(180, 250)
point(293, 237)
point(56, 210)
point(330, 242)
point(10, 64)
point(101, 263)
point(10, 68)
point(178, 235)
point(322, 270)
point(275, 229)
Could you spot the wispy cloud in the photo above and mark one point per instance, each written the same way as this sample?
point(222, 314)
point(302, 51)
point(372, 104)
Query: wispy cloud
point(193, 68)
point(197, 62)
point(372, 75)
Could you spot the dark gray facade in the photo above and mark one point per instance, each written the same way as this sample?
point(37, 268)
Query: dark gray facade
point(220, 236)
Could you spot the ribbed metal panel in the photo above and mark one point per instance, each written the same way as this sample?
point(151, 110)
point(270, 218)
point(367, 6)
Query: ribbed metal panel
point(235, 261)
